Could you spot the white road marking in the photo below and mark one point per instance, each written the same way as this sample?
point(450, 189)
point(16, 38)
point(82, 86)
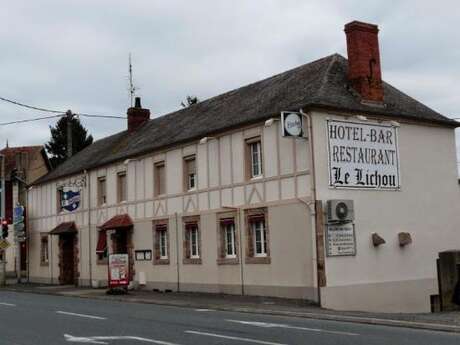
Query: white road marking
point(102, 339)
point(256, 341)
point(81, 315)
point(8, 304)
point(279, 325)
point(204, 310)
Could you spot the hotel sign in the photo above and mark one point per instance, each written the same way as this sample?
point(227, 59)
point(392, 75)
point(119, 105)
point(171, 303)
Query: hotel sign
point(363, 156)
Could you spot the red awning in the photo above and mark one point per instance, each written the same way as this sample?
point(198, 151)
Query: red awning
point(121, 221)
point(64, 228)
point(101, 242)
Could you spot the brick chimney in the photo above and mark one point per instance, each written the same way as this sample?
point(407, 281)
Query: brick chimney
point(137, 116)
point(364, 72)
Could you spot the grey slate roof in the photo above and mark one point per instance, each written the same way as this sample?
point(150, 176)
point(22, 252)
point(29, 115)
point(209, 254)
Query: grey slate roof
point(321, 83)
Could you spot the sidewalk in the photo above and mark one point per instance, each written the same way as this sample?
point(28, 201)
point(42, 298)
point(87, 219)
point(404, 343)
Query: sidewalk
point(446, 321)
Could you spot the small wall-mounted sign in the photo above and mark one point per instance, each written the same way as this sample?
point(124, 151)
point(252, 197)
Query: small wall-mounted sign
point(292, 124)
point(340, 240)
point(143, 255)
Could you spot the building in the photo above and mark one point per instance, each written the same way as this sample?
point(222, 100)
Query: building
point(212, 198)
point(23, 166)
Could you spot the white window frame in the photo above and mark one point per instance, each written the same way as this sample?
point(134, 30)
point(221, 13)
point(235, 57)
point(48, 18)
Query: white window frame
point(255, 151)
point(226, 228)
point(163, 243)
point(194, 230)
point(259, 226)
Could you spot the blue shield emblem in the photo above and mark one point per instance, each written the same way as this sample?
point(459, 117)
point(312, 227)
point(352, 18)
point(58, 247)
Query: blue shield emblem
point(70, 199)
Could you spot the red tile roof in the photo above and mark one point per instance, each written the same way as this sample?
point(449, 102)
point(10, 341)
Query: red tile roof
point(117, 222)
point(64, 228)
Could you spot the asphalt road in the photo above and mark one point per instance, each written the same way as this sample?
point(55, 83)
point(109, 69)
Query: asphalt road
point(30, 319)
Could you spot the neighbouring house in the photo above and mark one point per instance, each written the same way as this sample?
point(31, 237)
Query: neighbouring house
point(23, 166)
point(346, 201)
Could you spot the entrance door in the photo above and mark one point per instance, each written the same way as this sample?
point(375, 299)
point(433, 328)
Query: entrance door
point(67, 259)
point(23, 256)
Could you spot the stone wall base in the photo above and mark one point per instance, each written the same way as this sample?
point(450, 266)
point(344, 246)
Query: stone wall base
point(408, 296)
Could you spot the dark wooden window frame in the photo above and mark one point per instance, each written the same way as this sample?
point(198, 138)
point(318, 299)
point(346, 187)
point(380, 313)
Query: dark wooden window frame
point(223, 218)
point(158, 226)
point(250, 216)
point(188, 223)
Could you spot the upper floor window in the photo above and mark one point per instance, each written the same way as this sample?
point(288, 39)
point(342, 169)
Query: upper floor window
point(254, 157)
point(121, 186)
point(101, 191)
point(159, 177)
point(190, 176)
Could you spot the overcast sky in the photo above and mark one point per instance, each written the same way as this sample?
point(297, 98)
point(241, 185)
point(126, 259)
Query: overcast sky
point(74, 54)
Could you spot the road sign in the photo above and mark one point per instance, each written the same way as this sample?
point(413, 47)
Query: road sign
point(4, 244)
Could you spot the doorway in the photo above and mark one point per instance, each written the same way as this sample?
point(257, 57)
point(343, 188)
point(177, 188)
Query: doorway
point(67, 259)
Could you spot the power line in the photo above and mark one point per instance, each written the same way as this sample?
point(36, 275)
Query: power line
point(103, 116)
point(61, 113)
point(29, 120)
point(31, 106)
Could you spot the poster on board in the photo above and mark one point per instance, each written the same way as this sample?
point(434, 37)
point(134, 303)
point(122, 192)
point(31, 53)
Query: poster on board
point(118, 270)
point(363, 155)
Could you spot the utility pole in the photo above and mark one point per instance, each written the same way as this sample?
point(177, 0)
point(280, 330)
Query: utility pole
point(69, 116)
point(2, 210)
point(2, 157)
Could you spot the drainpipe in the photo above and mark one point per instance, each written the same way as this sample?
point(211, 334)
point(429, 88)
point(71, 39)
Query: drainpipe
point(177, 252)
point(313, 203)
point(89, 230)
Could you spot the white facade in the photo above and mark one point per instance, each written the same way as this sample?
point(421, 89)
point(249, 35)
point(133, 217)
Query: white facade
point(384, 278)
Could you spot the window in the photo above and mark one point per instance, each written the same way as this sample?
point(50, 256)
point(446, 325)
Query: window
point(193, 233)
point(101, 248)
point(258, 246)
point(228, 239)
point(121, 186)
point(44, 258)
point(59, 198)
point(259, 237)
point(161, 245)
point(192, 241)
point(254, 157)
point(101, 191)
point(160, 184)
point(190, 173)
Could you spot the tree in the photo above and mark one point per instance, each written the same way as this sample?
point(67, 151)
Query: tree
point(190, 100)
point(57, 146)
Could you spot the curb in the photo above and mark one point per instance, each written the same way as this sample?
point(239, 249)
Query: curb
point(306, 315)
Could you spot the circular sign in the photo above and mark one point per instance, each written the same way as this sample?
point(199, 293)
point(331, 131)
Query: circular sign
point(293, 124)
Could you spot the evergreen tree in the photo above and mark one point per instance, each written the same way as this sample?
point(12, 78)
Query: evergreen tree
point(57, 146)
point(190, 100)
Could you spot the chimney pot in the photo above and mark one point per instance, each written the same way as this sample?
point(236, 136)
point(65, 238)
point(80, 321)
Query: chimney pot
point(137, 116)
point(364, 71)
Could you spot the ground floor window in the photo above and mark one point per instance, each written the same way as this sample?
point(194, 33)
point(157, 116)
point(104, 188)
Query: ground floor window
point(101, 248)
point(192, 240)
point(161, 245)
point(258, 247)
point(44, 257)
